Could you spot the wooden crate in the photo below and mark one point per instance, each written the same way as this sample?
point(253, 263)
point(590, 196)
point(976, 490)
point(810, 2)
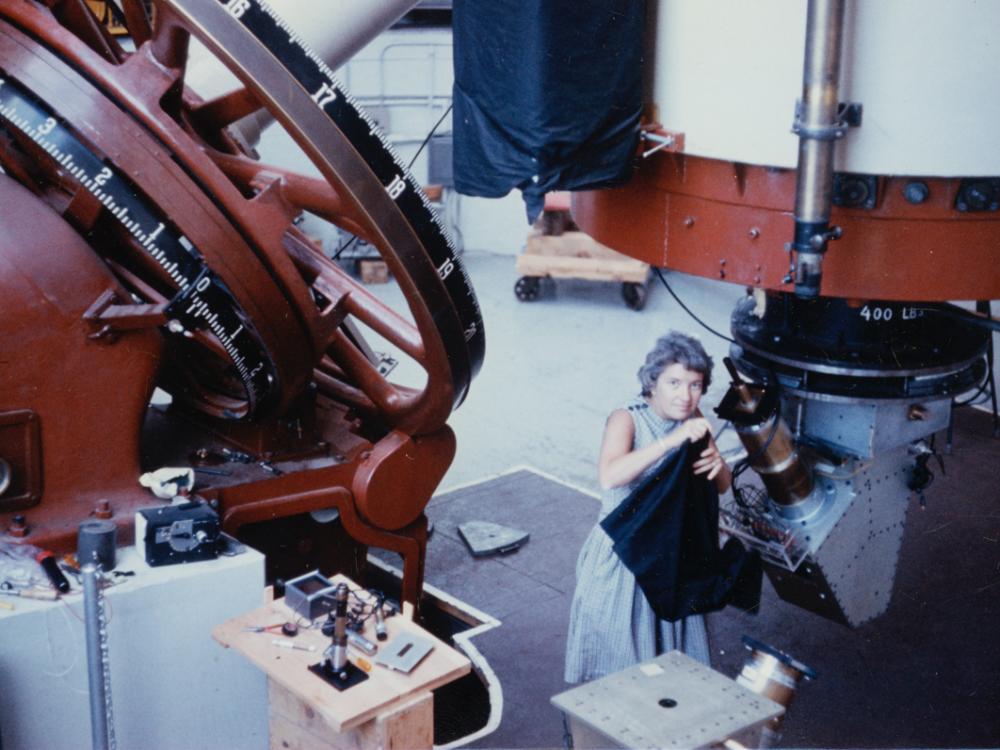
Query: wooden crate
point(106, 14)
point(373, 271)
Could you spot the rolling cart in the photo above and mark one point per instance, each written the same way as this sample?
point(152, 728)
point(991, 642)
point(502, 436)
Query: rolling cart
point(557, 249)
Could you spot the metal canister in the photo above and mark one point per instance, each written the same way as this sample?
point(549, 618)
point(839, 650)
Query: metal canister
point(755, 412)
point(96, 543)
point(775, 675)
point(774, 457)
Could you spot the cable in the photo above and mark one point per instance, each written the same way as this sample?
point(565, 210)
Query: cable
point(426, 140)
point(986, 307)
point(974, 398)
point(429, 136)
point(688, 311)
point(988, 377)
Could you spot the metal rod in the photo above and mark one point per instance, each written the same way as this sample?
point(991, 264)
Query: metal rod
point(818, 126)
point(663, 141)
point(102, 734)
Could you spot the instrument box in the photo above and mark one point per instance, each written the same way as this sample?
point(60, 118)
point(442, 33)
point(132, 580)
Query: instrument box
point(171, 534)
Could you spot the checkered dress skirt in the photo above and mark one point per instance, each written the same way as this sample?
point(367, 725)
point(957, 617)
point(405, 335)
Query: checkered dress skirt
point(611, 625)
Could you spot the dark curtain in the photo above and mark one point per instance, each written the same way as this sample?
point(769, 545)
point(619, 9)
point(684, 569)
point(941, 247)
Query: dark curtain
point(667, 533)
point(547, 95)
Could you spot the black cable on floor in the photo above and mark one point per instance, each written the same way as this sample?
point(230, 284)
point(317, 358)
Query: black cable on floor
point(567, 738)
point(986, 307)
point(686, 309)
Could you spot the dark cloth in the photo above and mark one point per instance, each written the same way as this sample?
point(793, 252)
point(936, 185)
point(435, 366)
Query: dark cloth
point(667, 533)
point(547, 95)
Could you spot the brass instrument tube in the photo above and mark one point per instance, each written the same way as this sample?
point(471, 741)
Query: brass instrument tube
point(775, 458)
point(768, 441)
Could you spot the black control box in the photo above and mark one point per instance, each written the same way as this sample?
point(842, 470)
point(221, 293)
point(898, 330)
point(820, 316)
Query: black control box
point(170, 534)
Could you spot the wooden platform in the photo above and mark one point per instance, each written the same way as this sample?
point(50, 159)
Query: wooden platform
point(576, 255)
point(306, 712)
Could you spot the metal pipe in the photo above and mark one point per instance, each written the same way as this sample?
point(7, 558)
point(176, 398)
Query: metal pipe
point(776, 460)
point(818, 126)
point(335, 30)
point(102, 733)
point(756, 416)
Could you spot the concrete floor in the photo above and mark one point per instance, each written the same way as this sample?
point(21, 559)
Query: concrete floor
point(556, 367)
point(554, 370)
point(923, 674)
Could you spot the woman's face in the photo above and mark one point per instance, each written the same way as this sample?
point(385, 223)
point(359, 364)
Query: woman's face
point(676, 392)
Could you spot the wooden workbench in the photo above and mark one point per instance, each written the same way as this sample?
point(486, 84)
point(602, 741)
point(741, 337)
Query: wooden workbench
point(389, 709)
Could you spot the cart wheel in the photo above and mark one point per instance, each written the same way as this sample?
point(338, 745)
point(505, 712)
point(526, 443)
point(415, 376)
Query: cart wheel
point(527, 288)
point(634, 295)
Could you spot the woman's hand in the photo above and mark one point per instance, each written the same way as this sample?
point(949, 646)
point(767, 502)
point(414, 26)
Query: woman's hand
point(713, 466)
point(695, 428)
point(710, 462)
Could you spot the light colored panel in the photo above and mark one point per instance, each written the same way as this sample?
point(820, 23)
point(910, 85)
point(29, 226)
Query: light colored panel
point(727, 73)
point(172, 686)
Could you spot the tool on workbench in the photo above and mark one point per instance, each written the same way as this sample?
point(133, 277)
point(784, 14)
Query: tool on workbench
point(335, 667)
point(293, 645)
point(28, 592)
point(48, 562)
point(380, 631)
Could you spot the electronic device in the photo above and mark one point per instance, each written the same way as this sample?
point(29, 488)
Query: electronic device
point(171, 534)
point(310, 595)
point(335, 668)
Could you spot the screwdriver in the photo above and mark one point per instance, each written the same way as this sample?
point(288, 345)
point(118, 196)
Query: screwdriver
point(31, 593)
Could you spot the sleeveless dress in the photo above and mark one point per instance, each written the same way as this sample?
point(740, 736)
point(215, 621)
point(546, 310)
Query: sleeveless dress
point(611, 625)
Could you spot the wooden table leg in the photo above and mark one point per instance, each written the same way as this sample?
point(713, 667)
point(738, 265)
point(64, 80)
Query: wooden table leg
point(294, 725)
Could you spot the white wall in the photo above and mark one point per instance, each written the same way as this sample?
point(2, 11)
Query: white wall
point(404, 78)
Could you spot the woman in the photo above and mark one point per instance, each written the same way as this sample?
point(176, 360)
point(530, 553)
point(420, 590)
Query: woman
point(612, 626)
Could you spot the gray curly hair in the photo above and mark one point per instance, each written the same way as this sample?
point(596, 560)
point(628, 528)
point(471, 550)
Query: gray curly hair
point(675, 348)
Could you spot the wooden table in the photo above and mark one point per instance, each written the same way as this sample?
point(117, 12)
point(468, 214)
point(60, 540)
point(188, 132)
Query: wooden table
point(390, 709)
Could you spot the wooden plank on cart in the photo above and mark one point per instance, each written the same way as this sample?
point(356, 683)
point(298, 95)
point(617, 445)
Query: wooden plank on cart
point(577, 255)
point(594, 269)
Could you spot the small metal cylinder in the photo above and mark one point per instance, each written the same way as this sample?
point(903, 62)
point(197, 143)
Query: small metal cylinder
point(775, 675)
point(359, 641)
point(380, 631)
point(338, 651)
point(96, 543)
